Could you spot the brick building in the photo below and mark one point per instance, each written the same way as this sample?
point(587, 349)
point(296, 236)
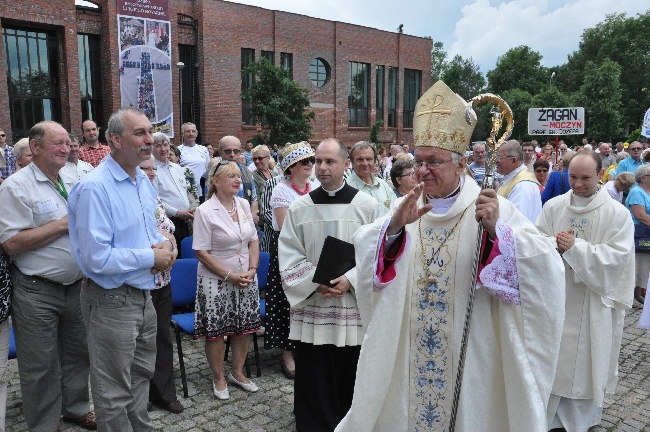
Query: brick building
point(62, 63)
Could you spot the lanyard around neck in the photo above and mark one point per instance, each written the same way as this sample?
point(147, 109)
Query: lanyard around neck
point(60, 187)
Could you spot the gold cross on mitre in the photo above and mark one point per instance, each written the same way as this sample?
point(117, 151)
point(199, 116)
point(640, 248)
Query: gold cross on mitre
point(429, 106)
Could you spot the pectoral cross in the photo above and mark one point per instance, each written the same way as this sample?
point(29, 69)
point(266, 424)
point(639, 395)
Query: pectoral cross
point(431, 104)
point(428, 280)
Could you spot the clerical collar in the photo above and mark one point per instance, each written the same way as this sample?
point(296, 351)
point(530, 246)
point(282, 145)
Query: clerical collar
point(579, 201)
point(333, 193)
point(443, 205)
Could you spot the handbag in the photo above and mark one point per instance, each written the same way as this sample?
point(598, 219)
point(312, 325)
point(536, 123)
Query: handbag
point(641, 238)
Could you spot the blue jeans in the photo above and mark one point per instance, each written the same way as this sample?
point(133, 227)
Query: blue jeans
point(121, 327)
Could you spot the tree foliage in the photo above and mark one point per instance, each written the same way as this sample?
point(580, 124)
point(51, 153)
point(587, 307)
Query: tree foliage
point(464, 77)
point(279, 105)
point(438, 61)
point(519, 68)
point(624, 41)
point(601, 97)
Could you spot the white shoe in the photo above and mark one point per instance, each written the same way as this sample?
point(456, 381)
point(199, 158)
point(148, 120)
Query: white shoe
point(250, 387)
point(220, 394)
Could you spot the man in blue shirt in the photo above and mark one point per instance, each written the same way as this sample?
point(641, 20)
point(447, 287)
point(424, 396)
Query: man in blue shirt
point(120, 252)
point(634, 161)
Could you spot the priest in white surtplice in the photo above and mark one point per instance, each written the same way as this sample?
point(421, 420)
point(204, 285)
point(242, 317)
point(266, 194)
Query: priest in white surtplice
point(595, 235)
point(414, 270)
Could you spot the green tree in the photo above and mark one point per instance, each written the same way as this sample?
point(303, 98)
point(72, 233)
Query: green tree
point(519, 68)
point(438, 61)
point(601, 96)
point(520, 102)
point(464, 77)
point(624, 41)
point(279, 104)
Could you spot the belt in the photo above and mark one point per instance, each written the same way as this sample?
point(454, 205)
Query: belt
point(44, 279)
point(123, 285)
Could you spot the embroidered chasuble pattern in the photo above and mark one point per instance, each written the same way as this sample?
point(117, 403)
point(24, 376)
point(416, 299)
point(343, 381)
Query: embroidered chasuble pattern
point(432, 323)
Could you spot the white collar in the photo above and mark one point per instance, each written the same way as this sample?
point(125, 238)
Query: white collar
point(514, 172)
point(333, 193)
point(442, 205)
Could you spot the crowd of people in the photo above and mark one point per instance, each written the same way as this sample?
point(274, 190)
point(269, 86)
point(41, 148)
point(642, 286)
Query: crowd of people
point(146, 95)
point(90, 232)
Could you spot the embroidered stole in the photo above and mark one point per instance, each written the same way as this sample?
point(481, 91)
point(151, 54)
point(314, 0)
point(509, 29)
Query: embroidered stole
point(523, 175)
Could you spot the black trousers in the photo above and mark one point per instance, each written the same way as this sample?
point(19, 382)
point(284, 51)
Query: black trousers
point(182, 230)
point(162, 390)
point(324, 385)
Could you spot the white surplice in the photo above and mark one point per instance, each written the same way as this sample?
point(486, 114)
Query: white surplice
point(409, 356)
point(599, 288)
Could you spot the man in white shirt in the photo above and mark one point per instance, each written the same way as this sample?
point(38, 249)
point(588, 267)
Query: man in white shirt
point(75, 167)
point(518, 185)
point(172, 188)
point(193, 155)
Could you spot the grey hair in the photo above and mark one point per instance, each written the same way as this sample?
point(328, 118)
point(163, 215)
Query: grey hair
point(621, 155)
point(20, 147)
point(641, 171)
point(115, 123)
point(37, 132)
point(159, 136)
point(456, 157)
point(361, 145)
point(185, 125)
point(513, 148)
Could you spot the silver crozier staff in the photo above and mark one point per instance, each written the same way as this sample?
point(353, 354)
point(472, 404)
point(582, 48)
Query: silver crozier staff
point(500, 112)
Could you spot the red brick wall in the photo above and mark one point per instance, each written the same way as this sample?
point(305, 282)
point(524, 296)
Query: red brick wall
point(223, 29)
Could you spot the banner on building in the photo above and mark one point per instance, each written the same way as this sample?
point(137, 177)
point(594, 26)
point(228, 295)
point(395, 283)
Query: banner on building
point(645, 127)
point(144, 33)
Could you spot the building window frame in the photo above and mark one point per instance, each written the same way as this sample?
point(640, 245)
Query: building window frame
point(412, 87)
point(380, 73)
point(32, 61)
point(89, 49)
point(269, 55)
point(247, 58)
point(358, 94)
point(319, 72)
point(391, 103)
point(286, 62)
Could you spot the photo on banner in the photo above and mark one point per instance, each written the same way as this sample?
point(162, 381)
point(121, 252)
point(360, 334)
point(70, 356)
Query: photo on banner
point(144, 33)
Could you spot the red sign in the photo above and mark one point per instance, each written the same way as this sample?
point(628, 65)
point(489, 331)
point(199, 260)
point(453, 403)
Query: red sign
point(152, 9)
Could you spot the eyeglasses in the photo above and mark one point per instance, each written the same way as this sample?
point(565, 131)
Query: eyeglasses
point(636, 148)
point(505, 157)
point(410, 174)
point(3, 135)
point(255, 159)
point(232, 151)
point(433, 164)
point(528, 150)
point(307, 161)
point(541, 170)
point(219, 165)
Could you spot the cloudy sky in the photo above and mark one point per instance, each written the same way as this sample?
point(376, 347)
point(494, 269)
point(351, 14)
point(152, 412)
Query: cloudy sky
point(481, 29)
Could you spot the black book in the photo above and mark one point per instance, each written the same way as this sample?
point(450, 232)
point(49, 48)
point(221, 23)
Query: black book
point(336, 258)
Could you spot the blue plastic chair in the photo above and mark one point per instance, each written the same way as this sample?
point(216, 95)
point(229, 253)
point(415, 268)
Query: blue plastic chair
point(183, 280)
point(262, 282)
point(186, 248)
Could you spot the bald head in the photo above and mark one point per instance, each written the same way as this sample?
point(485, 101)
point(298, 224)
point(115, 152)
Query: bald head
point(229, 148)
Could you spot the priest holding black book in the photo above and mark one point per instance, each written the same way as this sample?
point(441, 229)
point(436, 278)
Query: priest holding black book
point(325, 320)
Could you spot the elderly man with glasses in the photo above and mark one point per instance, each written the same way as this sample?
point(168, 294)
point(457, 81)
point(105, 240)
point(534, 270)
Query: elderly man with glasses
point(634, 161)
point(519, 185)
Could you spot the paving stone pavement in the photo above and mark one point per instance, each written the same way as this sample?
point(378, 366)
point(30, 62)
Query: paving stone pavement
point(269, 410)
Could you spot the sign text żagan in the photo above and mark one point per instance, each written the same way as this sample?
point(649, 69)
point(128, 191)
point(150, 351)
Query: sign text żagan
point(556, 121)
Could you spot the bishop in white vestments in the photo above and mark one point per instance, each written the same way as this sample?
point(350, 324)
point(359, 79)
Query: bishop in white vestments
point(598, 257)
point(414, 271)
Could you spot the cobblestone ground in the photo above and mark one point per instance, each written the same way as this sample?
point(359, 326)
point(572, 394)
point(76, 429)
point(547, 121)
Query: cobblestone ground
point(270, 408)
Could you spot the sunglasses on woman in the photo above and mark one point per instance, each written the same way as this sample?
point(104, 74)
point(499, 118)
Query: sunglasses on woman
point(307, 161)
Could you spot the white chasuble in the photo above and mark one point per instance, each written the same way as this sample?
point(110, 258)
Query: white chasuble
point(599, 288)
point(409, 356)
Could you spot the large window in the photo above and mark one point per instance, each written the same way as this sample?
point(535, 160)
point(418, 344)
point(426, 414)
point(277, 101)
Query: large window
point(190, 106)
point(358, 94)
point(90, 78)
point(269, 55)
point(32, 78)
point(286, 62)
point(412, 79)
point(379, 83)
point(247, 57)
point(392, 96)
